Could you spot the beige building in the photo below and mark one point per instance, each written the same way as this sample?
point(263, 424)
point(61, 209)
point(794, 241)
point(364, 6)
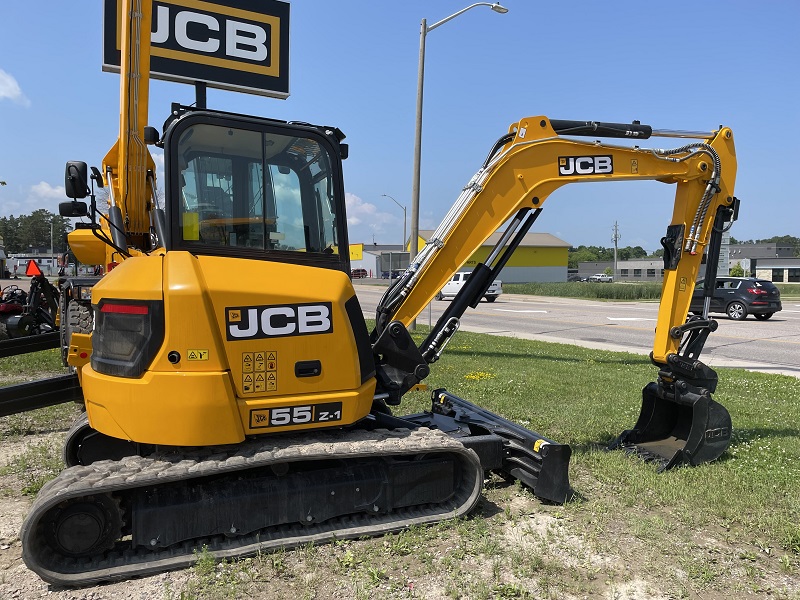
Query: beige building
point(540, 257)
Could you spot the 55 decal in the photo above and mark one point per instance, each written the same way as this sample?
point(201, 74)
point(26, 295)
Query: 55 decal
point(329, 412)
point(585, 165)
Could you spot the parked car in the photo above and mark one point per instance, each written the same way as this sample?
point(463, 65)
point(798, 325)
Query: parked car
point(452, 287)
point(358, 273)
point(738, 297)
point(601, 278)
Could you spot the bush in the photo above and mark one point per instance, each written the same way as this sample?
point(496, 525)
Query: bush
point(607, 291)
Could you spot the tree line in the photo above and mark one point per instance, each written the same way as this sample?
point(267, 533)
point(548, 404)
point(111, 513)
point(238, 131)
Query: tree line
point(25, 233)
point(600, 254)
point(581, 254)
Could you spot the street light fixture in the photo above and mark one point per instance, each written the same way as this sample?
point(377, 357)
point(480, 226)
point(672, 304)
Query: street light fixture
point(404, 218)
point(424, 29)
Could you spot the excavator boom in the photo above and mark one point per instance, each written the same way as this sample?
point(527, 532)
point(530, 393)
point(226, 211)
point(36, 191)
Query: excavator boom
point(679, 421)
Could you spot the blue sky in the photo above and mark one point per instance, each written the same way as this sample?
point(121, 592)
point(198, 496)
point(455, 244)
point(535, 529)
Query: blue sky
point(353, 64)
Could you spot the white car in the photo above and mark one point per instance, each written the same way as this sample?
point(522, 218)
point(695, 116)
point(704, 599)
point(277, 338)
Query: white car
point(458, 280)
point(601, 278)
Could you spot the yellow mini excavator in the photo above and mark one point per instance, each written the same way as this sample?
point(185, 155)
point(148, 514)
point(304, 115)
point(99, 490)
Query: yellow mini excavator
point(234, 396)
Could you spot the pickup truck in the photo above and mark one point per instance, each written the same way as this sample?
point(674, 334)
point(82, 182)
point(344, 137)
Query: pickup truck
point(601, 278)
point(452, 287)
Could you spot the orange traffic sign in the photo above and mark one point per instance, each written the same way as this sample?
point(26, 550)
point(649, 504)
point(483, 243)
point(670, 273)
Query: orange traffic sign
point(32, 270)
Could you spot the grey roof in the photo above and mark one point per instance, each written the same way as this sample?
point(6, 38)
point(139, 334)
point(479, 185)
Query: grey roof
point(540, 240)
point(381, 247)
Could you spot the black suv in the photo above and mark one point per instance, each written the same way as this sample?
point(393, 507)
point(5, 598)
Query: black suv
point(739, 296)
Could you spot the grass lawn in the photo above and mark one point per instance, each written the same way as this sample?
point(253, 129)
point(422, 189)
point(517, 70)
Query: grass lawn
point(727, 528)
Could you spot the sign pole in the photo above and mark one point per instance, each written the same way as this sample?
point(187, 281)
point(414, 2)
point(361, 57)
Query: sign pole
point(200, 94)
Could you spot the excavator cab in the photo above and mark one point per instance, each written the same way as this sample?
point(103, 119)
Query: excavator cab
point(253, 187)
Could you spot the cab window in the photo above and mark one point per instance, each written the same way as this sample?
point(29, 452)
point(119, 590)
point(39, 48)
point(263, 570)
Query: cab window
point(255, 190)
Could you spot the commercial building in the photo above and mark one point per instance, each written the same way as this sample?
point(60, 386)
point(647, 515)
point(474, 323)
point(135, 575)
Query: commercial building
point(539, 257)
point(778, 270)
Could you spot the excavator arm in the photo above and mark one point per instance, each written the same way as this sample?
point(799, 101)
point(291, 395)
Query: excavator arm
point(133, 225)
point(525, 167)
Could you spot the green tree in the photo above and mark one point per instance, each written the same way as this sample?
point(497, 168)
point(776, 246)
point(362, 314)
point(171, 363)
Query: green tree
point(631, 252)
point(22, 233)
point(737, 270)
point(9, 231)
point(579, 255)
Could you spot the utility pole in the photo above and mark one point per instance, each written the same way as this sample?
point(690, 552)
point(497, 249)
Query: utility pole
point(615, 238)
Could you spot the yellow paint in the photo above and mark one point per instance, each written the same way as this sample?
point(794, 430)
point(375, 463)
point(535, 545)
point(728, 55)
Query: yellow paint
point(356, 251)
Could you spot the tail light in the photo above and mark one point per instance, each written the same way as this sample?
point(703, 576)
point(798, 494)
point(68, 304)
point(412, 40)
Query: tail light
point(756, 291)
point(127, 336)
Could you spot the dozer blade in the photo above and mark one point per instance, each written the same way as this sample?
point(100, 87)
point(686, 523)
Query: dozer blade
point(678, 424)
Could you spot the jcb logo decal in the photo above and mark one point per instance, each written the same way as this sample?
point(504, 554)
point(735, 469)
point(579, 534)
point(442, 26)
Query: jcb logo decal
point(720, 432)
point(239, 45)
point(585, 165)
point(246, 36)
point(258, 322)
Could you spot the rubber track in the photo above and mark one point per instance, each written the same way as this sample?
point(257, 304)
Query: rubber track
point(132, 472)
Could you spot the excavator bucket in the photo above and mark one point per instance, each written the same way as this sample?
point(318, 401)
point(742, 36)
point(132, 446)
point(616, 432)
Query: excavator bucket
point(678, 424)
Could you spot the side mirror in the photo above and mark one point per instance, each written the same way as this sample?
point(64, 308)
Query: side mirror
point(97, 176)
point(73, 209)
point(75, 180)
point(151, 136)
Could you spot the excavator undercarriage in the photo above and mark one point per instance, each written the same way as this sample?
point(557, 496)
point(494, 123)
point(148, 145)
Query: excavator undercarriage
point(149, 511)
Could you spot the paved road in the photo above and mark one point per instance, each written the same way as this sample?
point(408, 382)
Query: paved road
point(771, 346)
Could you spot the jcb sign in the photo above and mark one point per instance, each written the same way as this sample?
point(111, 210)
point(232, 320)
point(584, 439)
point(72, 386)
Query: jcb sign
point(585, 165)
point(226, 44)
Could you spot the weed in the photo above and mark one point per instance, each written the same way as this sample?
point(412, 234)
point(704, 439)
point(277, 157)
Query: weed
point(785, 564)
point(211, 579)
point(348, 560)
point(40, 463)
point(505, 591)
point(400, 544)
point(376, 575)
point(277, 561)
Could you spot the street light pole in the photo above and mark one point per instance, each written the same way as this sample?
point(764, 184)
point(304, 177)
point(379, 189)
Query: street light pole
point(423, 32)
point(404, 218)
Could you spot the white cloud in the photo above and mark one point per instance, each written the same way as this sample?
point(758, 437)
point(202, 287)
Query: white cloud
point(45, 191)
point(9, 89)
point(158, 158)
point(23, 201)
point(365, 222)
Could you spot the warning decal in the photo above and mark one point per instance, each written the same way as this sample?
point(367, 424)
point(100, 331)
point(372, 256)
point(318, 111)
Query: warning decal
point(259, 371)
